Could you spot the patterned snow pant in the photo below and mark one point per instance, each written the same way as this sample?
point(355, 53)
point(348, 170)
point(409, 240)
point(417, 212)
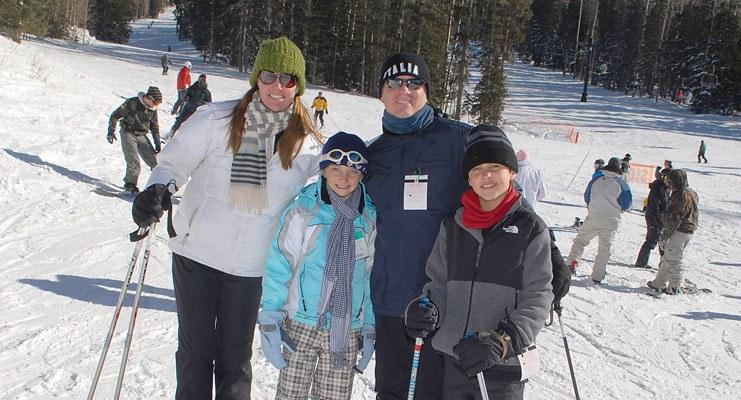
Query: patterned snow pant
point(604, 228)
point(671, 268)
point(134, 146)
point(310, 369)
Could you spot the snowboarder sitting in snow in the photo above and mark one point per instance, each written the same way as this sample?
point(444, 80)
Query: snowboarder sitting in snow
point(196, 96)
point(138, 116)
point(490, 276)
point(607, 197)
point(680, 222)
point(326, 238)
point(658, 197)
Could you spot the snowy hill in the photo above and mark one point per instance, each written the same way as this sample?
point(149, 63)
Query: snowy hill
point(64, 248)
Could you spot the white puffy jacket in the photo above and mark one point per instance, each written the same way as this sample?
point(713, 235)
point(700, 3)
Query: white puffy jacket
point(210, 230)
point(531, 182)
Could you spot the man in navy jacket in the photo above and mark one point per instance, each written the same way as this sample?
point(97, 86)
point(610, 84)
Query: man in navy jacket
point(414, 179)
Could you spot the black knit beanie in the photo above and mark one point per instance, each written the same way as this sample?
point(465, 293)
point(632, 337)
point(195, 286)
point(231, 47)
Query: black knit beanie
point(488, 144)
point(405, 64)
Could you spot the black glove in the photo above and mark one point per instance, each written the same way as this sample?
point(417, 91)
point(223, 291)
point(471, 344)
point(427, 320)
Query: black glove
point(561, 274)
point(420, 317)
point(481, 351)
point(150, 204)
point(111, 137)
point(157, 146)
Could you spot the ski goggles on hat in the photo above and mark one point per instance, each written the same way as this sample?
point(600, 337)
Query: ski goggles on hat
point(412, 84)
point(354, 158)
point(286, 80)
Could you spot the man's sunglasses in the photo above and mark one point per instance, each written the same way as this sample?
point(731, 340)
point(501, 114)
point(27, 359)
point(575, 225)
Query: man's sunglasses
point(412, 84)
point(286, 80)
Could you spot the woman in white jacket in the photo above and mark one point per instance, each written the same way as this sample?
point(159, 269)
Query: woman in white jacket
point(246, 160)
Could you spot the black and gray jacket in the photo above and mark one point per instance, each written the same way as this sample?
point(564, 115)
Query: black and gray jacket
point(478, 281)
point(135, 118)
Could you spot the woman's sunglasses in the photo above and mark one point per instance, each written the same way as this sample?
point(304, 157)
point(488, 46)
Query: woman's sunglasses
point(286, 80)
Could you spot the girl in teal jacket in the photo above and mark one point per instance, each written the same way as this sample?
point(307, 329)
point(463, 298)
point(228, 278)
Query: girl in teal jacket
point(316, 310)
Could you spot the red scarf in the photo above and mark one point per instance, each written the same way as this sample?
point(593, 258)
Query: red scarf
point(476, 218)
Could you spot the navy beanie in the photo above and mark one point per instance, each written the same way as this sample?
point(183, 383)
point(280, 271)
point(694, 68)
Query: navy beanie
point(345, 142)
point(488, 144)
point(404, 64)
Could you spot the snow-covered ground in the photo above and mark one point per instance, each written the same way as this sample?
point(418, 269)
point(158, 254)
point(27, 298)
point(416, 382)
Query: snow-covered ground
point(63, 248)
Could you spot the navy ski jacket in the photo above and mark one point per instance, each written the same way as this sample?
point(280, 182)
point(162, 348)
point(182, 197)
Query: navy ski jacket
point(405, 237)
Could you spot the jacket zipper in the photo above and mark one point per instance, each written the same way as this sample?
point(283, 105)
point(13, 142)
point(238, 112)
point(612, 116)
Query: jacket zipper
point(473, 280)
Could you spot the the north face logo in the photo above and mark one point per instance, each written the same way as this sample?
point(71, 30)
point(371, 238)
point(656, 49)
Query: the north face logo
point(511, 229)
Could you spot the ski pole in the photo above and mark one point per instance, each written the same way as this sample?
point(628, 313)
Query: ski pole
point(116, 314)
point(482, 386)
point(558, 309)
point(577, 170)
point(418, 342)
point(135, 308)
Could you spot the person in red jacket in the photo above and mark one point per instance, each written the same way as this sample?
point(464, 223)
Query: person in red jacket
point(183, 85)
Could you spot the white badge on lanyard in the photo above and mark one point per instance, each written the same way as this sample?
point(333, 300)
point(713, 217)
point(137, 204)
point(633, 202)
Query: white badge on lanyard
point(361, 247)
point(415, 192)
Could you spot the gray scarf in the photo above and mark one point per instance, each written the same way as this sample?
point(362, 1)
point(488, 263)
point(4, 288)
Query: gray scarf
point(336, 295)
point(248, 191)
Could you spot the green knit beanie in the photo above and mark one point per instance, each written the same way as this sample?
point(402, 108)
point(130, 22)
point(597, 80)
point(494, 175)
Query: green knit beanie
point(280, 55)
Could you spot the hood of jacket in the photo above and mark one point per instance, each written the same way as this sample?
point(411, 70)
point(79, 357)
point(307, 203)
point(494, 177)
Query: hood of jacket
point(678, 179)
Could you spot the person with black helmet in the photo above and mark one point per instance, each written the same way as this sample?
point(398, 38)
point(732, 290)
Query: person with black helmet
point(138, 117)
point(607, 197)
point(625, 165)
point(413, 178)
point(658, 197)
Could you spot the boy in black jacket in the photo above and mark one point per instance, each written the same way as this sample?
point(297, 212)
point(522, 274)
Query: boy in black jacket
point(490, 271)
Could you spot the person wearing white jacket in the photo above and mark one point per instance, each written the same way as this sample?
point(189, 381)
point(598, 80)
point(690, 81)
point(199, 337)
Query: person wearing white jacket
point(530, 179)
point(244, 161)
point(607, 197)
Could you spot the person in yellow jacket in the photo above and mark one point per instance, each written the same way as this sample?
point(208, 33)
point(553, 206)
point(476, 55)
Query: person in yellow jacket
point(320, 108)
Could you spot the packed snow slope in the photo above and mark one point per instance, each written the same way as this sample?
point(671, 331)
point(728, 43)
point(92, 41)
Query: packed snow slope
point(64, 248)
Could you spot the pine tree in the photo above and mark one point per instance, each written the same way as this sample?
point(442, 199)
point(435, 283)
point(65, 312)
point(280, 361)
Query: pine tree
point(487, 101)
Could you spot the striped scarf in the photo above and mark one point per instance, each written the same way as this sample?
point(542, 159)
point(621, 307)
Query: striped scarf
point(248, 191)
point(336, 295)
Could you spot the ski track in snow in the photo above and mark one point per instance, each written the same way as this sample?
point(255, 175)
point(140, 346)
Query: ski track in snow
point(64, 249)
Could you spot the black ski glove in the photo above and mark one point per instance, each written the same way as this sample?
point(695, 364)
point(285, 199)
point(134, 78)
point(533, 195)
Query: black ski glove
point(111, 137)
point(561, 275)
point(150, 204)
point(481, 351)
point(157, 147)
point(420, 317)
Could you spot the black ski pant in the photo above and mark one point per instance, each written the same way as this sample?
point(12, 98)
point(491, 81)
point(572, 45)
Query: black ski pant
point(701, 154)
point(185, 114)
point(394, 352)
point(319, 114)
point(653, 232)
point(458, 386)
point(217, 313)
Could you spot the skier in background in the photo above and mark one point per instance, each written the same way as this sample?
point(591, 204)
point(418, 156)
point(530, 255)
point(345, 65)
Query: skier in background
point(701, 151)
point(165, 61)
point(607, 197)
point(658, 197)
point(196, 96)
point(680, 223)
point(182, 86)
point(138, 117)
point(320, 107)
